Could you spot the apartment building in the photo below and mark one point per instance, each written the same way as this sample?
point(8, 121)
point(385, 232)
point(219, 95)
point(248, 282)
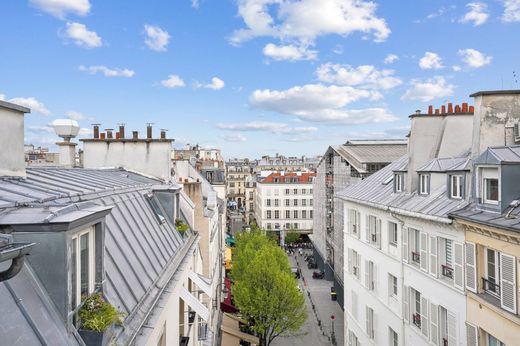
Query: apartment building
point(403, 274)
point(237, 173)
point(492, 248)
point(249, 204)
point(286, 163)
point(284, 201)
point(338, 168)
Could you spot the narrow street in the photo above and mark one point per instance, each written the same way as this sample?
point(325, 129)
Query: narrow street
point(316, 292)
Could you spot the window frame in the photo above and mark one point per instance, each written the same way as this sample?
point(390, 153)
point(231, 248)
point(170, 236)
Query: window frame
point(424, 184)
point(458, 179)
point(391, 233)
point(91, 231)
point(398, 182)
point(485, 191)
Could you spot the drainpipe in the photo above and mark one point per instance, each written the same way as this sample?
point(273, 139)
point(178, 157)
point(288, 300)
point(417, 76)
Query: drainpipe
point(15, 252)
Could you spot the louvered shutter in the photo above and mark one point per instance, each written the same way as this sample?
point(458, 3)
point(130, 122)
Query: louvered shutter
point(458, 264)
point(349, 255)
point(354, 305)
point(406, 303)
point(367, 274)
point(350, 337)
point(452, 328)
point(368, 322)
point(358, 224)
point(423, 245)
point(373, 276)
point(367, 228)
point(433, 256)
point(378, 233)
point(424, 316)
point(374, 325)
point(471, 269)
point(472, 335)
point(434, 324)
point(404, 234)
point(508, 282)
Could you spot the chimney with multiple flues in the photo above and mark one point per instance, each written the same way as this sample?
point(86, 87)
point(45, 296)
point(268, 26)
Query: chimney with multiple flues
point(444, 110)
point(108, 134)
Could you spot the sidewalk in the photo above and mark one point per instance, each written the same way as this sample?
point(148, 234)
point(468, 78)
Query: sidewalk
point(317, 329)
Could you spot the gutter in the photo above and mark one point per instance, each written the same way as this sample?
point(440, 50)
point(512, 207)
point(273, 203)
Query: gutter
point(444, 220)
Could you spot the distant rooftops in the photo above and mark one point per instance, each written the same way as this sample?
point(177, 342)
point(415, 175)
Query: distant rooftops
point(289, 178)
point(450, 109)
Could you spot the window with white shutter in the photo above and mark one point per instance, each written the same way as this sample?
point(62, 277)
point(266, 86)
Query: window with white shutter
point(433, 256)
point(458, 276)
point(423, 247)
point(424, 316)
point(471, 334)
point(354, 305)
point(358, 224)
point(349, 258)
point(508, 282)
point(367, 228)
point(378, 233)
point(369, 322)
point(452, 328)
point(406, 303)
point(367, 274)
point(404, 233)
point(434, 324)
point(471, 269)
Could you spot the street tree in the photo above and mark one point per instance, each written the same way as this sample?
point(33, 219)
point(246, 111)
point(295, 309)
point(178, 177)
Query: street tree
point(264, 289)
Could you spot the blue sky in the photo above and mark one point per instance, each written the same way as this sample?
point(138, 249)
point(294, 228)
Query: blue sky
point(252, 77)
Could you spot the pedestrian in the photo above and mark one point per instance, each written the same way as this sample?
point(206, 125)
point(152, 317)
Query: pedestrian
point(300, 251)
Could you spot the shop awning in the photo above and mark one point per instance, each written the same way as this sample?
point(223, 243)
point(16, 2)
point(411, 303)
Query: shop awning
point(194, 303)
point(231, 325)
point(227, 255)
point(201, 281)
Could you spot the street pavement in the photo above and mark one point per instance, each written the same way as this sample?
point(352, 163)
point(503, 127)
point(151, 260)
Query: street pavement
point(316, 292)
point(236, 221)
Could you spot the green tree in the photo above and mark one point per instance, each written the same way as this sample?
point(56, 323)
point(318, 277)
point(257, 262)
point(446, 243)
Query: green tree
point(291, 237)
point(264, 289)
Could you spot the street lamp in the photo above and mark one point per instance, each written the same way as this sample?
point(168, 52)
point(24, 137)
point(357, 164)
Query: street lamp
point(332, 335)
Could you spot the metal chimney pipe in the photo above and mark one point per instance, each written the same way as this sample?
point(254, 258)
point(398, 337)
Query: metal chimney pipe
point(121, 130)
point(135, 135)
point(96, 131)
point(163, 134)
point(109, 133)
point(149, 131)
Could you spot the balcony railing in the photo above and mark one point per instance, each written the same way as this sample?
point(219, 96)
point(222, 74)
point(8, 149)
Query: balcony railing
point(447, 271)
point(416, 257)
point(416, 319)
point(444, 342)
point(374, 238)
point(490, 286)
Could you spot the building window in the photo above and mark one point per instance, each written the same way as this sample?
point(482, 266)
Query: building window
point(269, 226)
point(268, 202)
point(295, 214)
point(398, 182)
point(392, 233)
point(414, 244)
point(491, 191)
point(304, 191)
point(456, 186)
point(250, 195)
point(277, 202)
point(83, 265)
point(370, 322)
point(310, 202)
point(287, 202)
point(491, 282)
point(287, 214)
point(355, 263)
point(374, 230)
point(492, 341)
point(276, 214)
point(370, 275)
point(295, 202)
point(304, 214)
point(424, 184)
point(296, 226)
point(310, 213)
point(287, 191)
point(416, 307)
point(304, 202)
point(393, 337)
point(251, 206)
point(268, 214)
point(392, 286)
point(353, 222)
point(446, 246)
point(295, 191)
point(353, 339)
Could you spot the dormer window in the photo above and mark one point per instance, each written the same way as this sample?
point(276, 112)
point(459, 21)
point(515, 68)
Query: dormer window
point(424, 184)
point(456, 186)
point(398, 182)
point(83, 265)
point(491, 190)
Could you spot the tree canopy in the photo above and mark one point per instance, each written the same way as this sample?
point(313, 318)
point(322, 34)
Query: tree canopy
point(264, 289)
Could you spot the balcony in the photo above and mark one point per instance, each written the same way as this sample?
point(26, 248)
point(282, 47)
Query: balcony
point(447, 271)
point(416, 319)
point(416, 257)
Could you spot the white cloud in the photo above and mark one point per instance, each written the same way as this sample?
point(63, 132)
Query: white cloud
point(75, 115)
point(273, 127)
point(29, 102)
point(216, 84)
point(511, 11)
point(428, 90)
point(85, 132)
point(319, 103)
point(338, 49)
point(173, 81)
point(430, 60)
point(477, 14)
point(195, 3)
point(234, 138)
point(304, 20)
point(81, 36)
point(456, 68)
point(473, 58)
point(40, 129)
point(289, 52)
point(394, 132)
point(60, 8)
point(365, 76)
point(107, 72)
point(156, 38)
point(391, 58)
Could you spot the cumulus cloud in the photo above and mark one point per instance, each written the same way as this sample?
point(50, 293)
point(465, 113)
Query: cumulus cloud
point(195, 3)
point(305, 20)
point(216, 84)
point(393, 132)
point(234, 138)
point(156, 38)
point(428, 90)
point(75, 115)
point(477, 13)
point(82, 36)
point(40, 129)
point(29, 102)
point(320, 103)
point(364, 76)
point(289, 52)
point(60, 8)
point(473, 58)
point(511, 11)
point(173, 81)
point(430, 61)
point(391, 58)
point(106, 71)
point(273, 127)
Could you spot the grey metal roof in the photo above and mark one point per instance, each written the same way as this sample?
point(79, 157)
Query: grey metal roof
point(446, 164)
point(496, 155)
point(472, 213)
point(139, 250)
point(373, 152)
point(377, 190)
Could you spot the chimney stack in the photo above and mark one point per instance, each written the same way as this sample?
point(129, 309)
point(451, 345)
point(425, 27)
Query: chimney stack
point(149, 131)
point(443, 109)
point(12, 158)
point(457, 109)
point(96, 131)
point(450, 107)
point(109, 133)
point(472, 109)
point(465, 107)
point(102, 136)
point(122, 130)
point(430, 109)
point(436, 110)
point(163, 134)
point(135, 135)
point(418, 112)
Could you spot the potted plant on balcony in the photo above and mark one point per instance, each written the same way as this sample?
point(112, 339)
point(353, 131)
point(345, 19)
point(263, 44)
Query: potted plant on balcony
point(181, 226)
point(97, 318)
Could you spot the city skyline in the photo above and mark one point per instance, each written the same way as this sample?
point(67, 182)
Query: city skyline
point(252, 77)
